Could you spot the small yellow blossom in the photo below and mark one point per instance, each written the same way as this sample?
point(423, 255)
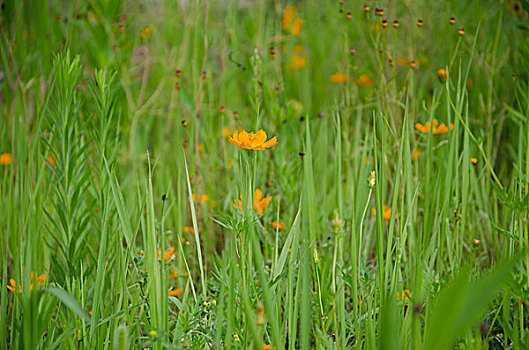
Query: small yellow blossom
point(259, 203)
point(252, 141)
point(437, 128)
point(6, 159)
point(338, 77)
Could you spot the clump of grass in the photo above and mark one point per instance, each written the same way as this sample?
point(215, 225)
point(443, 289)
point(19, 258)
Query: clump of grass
point(377, 197)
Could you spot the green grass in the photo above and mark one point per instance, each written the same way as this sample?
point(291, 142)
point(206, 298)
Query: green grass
point(113, 158)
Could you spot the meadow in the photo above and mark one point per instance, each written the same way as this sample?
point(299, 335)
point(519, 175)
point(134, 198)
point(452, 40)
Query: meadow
point(252, 174)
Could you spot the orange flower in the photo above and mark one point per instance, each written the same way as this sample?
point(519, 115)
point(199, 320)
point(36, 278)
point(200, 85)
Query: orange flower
point(298, 49)
point(189, 229)
point(168, 254)
point(226, 132)
point(259, 203)
point(278, 225)
point(173, 276)
point(403, 61)
point(288, 15)
point(252, 141)
point(386, 212)
point(174, 292)
point(296, 26)
point(204, 198)
point(437, 128)
point(404, 295)
point(474, 161)
point(146, 32)
point(12, 286)
point(364, 80)
point(297, 62)
point(338, 77)
point(416, 154)
point(5, 158)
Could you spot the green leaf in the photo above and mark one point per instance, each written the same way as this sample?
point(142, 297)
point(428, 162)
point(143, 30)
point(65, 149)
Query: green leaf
point(69, 301)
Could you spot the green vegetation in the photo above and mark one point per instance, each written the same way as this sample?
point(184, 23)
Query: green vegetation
point(141, 208)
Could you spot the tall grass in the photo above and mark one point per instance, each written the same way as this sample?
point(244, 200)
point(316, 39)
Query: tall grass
point(121, 226)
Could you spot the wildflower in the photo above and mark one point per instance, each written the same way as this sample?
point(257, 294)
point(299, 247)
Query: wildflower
point(256, 142)
point(474, 161)
point(413, 64)
point(146, 32)
point(6, 159)
point(515, 8)
point(12, 286)
point(51, 159)
point(236, 337)
point(173, 276)
point(266, 347)
point(226, 132)
point(364, 81)
point(222, 109)
point(288, 15)
point(419, 23)
point(174, 292)
point(442, 74)
point(204, 198)
point(452, 20)
point(259, 203)
point(167, 255)
point(396, 24)
point(352, 50)
point(404, 295)
point(296, 26)
point(298, 49)
point(415, 154)
point(386, 213)
point(278, 225)
point(379, 12)
point(366, 8)
point(189, 229)
point(297, 62)
point(338, 78)
point(476, 242)
point(371, 182)
point(461, 31)
point(437, 128)
point(384, 23)
point(403, 61)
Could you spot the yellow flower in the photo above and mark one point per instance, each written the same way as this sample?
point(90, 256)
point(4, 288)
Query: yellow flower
point(189, 229)
point(474, 161)
point(288, 15)
point(204, 198)
point(298, 48)
point(226, 132)
point(174, 292)
point(364, 80)
point(442, 74)
point(296, 26)
point(386, 213)
point(173, 276)
point(403, 61)
point(297, 62)
point(515, 8)
point(278, 225)
point(167, 255)
point(415, 154)
point(146, 32)
point(437, 128)
point(12, 286)
point(259, 203)
point(256, 142)
point(5, 158)
point(338, 77)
